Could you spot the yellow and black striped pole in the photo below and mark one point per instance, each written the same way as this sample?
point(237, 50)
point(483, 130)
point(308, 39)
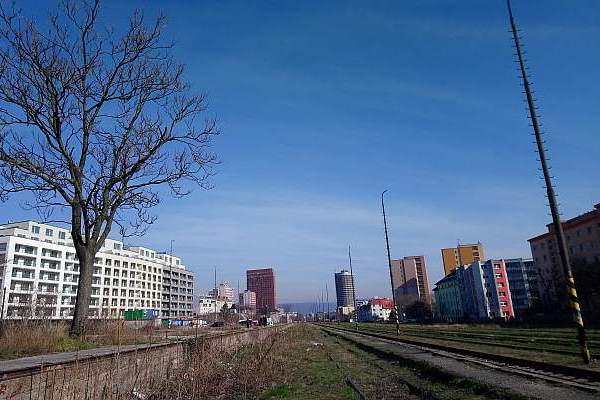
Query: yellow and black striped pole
point(577, 318)
point(558, 229)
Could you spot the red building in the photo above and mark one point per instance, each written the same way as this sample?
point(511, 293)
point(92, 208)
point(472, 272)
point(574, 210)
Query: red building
point(262, 282)
point(495, 270)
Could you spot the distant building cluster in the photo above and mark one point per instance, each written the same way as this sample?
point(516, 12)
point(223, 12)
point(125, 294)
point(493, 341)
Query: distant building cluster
point(259, 297)
point(473, 290)
point(476, 292)
point(478, 289)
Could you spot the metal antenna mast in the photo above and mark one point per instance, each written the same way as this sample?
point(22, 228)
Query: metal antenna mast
point(558, 229)
point(387, 243)
point(458, 252)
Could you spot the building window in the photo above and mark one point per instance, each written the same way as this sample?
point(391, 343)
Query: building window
point(62, 235)
point(49, 232)
point(35, 229)
point(498, 275)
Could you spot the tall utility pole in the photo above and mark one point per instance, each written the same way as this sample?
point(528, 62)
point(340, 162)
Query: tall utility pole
point(558, 229)
point(387, 244)
point(322, 306)
point(216, 295)
point(170, 279)
point(328, 310)
point(353, 290)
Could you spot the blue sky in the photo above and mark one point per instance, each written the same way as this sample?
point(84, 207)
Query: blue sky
point(325, 104)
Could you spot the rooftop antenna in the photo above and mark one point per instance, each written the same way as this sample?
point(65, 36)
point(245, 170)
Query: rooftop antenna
point(458, 253)
point(558, 229)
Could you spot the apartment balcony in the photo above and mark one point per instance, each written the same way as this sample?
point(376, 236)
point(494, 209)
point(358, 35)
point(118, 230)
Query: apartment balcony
point(22, 288)
point(52, 254)
point(50, 266)
point(48, 289)
point(21, 264)
point(22, 275)
point(20, 302)
point(49, 278)
point(20, 249)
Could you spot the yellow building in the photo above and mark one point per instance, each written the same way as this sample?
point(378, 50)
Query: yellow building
point(464, 254)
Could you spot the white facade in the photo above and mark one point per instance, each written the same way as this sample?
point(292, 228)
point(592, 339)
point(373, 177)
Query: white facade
point(375, 310)
point(39, 274)
point(209, 305)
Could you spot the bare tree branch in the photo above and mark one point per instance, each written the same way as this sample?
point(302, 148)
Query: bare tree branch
point(97, 123)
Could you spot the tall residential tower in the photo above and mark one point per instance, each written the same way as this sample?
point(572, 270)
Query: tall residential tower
point(463, 254)
point(409, 278)
point(344, 289)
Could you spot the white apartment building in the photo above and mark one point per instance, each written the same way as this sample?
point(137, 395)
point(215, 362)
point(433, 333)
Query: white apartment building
point(39, 274)
point(210, 305)
point(377, 309)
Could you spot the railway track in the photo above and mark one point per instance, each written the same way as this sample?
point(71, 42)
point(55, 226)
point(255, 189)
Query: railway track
point(572, 377)
point(531, 345)
point(558, 342)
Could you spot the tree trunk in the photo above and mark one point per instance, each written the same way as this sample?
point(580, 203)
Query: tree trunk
point(84, 289)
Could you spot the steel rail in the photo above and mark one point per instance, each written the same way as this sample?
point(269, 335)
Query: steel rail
point(563, 374)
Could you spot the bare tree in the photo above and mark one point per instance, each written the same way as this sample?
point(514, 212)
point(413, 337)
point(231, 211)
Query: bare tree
point(96, 124)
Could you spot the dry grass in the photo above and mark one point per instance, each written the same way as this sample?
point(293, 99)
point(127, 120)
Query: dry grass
point(33, 337)
point(216, 371)
point(36, 337)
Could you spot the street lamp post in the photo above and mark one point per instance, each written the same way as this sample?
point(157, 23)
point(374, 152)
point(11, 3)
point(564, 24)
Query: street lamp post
point(353, 290)
point(387, 243)
point(170, 279)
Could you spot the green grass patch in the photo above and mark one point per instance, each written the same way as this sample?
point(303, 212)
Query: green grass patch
point(278, 392)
